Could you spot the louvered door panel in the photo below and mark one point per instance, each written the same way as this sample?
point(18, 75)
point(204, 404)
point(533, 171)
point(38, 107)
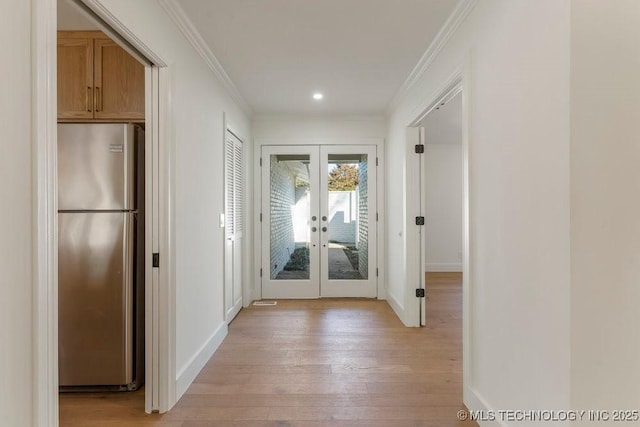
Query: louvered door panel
point(238, 198)
point(229, 189)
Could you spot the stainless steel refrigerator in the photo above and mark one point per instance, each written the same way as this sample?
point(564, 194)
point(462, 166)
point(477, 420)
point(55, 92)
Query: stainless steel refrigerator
point(100, 256)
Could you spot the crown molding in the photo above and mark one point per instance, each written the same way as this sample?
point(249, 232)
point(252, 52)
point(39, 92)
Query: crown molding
point(274, 117)
point(180, 18)
point(451, 25)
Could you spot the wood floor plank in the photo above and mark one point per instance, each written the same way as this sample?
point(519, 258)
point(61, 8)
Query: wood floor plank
point(329, 363)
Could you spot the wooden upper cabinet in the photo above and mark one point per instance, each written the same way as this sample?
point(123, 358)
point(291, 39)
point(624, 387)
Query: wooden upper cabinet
point(119, 82)
point(97, 79)
point(75, 78)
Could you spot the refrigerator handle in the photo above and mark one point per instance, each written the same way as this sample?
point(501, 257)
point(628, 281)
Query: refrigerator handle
point(129, 166)
point(128, 242)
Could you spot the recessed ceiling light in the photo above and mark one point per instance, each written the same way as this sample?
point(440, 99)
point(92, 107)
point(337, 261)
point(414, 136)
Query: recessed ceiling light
point(318, 96)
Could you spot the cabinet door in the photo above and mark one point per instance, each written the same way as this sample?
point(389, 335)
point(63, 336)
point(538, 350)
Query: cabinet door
point(119, 83)
point(75, 78)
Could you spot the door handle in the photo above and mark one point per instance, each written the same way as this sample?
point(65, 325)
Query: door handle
point(324, 218)
point(313, 218)
point(324, 228)
point(97, 99)
point(314, 229)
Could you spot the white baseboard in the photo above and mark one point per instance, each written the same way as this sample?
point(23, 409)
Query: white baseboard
point(196, 363)
point(447, 267)
point(397, 308)
point(475, 402)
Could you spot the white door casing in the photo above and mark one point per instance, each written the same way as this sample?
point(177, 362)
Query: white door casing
point(159, 314)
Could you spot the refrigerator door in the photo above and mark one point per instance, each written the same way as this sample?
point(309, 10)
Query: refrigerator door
point(96, 164)
point(95, 298)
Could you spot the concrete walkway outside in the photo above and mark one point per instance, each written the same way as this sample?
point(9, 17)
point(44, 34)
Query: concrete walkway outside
point(339, 267)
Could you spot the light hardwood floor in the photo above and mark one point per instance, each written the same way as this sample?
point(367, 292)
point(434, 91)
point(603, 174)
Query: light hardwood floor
point(333, 362)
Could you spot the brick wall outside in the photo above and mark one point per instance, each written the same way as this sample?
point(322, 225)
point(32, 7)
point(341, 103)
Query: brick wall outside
point(283, 197)
point(363, 219)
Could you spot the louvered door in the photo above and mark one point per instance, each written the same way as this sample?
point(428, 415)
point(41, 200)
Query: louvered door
point(234, 224)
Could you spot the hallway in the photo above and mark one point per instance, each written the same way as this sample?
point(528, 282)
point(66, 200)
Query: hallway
point(315, 363)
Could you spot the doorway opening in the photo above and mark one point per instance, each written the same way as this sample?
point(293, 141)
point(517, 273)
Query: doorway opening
point(101, 240)
point(319, 221)
point(444, 120)
point(442, 195)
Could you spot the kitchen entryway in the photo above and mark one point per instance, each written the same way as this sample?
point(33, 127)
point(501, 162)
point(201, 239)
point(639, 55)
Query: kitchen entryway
point(318, 221)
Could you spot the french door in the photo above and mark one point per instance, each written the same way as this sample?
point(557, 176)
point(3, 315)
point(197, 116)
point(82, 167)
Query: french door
point(319, 221)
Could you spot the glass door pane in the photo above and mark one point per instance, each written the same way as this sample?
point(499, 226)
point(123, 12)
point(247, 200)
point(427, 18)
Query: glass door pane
point(290, 209)
point(347, 219)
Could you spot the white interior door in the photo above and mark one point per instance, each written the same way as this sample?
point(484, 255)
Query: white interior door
point(416, 168)
point(348, 217)
point(319, 221)
point(234, 224)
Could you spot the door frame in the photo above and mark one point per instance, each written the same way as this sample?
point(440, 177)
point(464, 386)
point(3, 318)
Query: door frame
point(454, 89)
point(381, 200)
point(229, 127)
point(459, 81)
point(159, 181)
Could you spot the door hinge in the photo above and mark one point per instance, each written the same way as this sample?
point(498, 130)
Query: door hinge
point(376, 161)
point(155, 260)
point(260, 272)
point(419, 220)
point(419, 148)
point(377, 272)
point(260, 161)
point(260, 216)
point(377, 216)
point(419, 293)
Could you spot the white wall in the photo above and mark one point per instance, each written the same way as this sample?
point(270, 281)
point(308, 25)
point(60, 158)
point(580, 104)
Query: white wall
point(343, 216)
point(443, 191)
point(518, 108)
point(197, 104)
point(70, 18)
point(16, 249)
point(318, 128)
point(605, 204)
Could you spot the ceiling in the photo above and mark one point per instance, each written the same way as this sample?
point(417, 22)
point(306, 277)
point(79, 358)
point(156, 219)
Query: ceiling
point(358, 53)
point(444, 125)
